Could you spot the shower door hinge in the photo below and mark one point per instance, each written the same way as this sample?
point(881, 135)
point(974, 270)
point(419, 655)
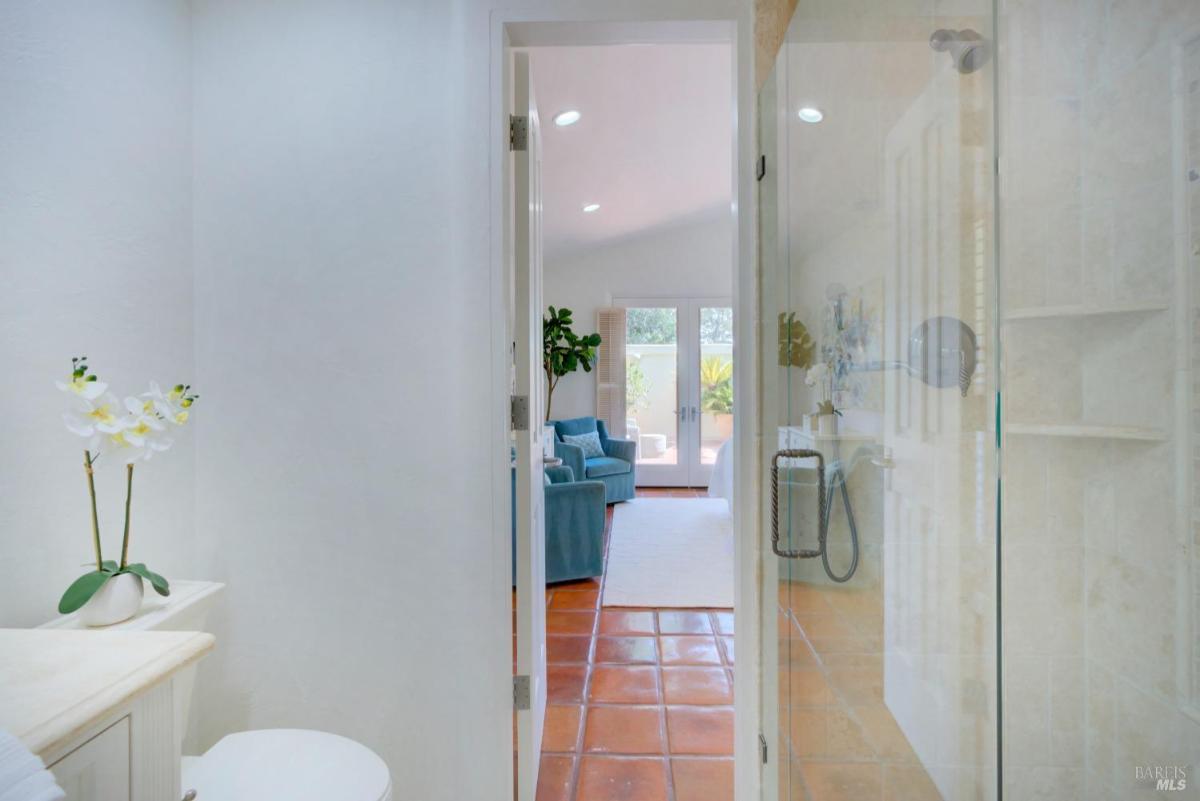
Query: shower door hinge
point(521, 695)
point(762, 748)
point(518, 412)
point(518, 132)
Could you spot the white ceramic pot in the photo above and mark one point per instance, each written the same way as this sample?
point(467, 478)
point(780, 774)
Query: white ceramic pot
point(119, 599)
point(827, 425)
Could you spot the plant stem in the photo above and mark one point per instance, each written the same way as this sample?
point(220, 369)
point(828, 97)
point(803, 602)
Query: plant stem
point(128, 497)
point(87, 468)
point(550, 384)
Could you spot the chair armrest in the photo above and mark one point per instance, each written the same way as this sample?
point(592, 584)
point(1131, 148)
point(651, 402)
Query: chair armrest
point(572, 456)
point(560, 474)
point(589, 494)
point(621, 449)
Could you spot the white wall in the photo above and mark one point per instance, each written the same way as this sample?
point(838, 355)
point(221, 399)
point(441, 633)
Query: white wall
point(344, 480)
point(693, 260)
point(95, 259)
point(339, 205)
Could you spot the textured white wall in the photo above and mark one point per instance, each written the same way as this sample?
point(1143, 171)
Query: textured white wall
point(343, 317)
point(95, 259)
point(325, 167)
point(693, 260)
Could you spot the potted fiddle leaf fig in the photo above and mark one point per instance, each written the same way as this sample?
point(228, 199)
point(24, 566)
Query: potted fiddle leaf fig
point(564, 351)
point(124, 433)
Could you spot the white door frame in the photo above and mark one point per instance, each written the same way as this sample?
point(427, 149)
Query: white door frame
point(688, 471)
point(581, 22)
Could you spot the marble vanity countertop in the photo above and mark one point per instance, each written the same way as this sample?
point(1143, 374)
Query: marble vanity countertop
point(56, 684)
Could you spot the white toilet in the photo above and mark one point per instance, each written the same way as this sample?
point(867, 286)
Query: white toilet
point(292, 764)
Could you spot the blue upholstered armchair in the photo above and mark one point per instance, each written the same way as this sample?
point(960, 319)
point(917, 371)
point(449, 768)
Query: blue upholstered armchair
point(574, 526)
point(615, 468)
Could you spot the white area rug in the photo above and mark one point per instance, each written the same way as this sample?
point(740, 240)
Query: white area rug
point(670, 552)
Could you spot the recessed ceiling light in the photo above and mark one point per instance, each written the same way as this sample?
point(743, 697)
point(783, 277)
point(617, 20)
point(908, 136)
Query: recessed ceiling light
point(590, 207)
point(810, 114)
point(568, 117)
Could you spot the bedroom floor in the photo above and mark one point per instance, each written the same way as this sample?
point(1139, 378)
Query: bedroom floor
point(640, 700)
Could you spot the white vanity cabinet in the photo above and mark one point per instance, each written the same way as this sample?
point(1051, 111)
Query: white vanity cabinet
point(98, 707)
point(100, 768)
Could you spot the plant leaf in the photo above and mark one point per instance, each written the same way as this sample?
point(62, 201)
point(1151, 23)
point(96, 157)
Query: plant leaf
point(81, 591)
point(109, 566)
point(159, 583)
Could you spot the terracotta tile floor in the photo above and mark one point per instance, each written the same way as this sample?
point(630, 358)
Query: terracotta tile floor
point(641, 701)
point(843, 741)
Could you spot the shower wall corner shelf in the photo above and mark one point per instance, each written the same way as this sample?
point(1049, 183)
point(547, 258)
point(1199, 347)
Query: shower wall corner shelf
point(1058, 312)
point(1087, 431)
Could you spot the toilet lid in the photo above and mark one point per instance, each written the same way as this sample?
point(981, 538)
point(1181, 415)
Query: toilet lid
point(292, 764)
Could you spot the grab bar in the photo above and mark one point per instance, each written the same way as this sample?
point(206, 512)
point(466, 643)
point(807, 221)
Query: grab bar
point(796, 453)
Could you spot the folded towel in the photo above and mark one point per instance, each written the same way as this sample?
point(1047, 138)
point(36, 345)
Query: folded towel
point(23, 777)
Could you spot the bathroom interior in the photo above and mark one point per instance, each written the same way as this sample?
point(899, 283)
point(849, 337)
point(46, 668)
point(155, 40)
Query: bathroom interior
point(981, 223)
point(979, 408)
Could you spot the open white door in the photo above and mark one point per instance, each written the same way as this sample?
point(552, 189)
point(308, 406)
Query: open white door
point(530, 680)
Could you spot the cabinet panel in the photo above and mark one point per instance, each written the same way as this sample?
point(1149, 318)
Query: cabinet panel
point(98, 770)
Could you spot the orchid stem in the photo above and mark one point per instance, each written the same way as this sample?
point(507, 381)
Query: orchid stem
point(128, 498)
point(87, 468)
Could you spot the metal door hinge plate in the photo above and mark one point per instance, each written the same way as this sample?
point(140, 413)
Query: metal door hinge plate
point(521, 694)
point(518, 412)
point(518, 132)
point(762, 748)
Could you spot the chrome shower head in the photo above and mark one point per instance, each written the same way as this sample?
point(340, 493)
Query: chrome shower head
point(968, 50)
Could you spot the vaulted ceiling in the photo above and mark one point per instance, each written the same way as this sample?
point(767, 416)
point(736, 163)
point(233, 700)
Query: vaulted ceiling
point(653, 147)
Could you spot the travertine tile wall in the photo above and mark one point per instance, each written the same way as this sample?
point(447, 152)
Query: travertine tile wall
point(1099, 600)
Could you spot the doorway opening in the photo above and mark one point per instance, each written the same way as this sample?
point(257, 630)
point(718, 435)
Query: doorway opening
point(632, 255)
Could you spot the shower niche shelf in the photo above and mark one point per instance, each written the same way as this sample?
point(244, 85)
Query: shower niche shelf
point(1060, 312)
point(1087, 431)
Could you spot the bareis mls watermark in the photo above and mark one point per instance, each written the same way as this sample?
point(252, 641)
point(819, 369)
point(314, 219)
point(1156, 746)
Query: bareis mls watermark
point(1170, 778)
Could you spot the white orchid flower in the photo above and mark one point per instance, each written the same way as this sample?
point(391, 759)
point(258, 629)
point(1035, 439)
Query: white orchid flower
point(88, 390)
point(119, 445)
point(169, 405)
point(816, 374)
point(95, 415)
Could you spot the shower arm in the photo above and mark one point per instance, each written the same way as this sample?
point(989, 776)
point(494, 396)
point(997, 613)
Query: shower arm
point(964, 376)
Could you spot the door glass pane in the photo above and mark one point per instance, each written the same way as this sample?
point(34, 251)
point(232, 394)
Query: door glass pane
point(651, 383)
point(716, 380)
point(879, 308)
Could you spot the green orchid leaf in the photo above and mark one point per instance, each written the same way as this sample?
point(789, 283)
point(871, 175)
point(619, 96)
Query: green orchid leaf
point(109, 566)
point(159, 583)
point(82, 590)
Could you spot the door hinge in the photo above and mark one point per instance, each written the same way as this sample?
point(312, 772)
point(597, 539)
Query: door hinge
point(518, 412)
point(760, 169)
point(521, 695)
point(762, 748)
point(518, 132)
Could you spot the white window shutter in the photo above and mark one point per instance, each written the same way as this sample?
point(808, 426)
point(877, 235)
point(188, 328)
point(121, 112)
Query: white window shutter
point(610, 370)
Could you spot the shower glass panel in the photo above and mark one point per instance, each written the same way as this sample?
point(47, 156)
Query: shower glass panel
point(1100, 235)
point(880, 382)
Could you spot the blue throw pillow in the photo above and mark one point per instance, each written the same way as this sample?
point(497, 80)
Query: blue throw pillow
point(590, 442)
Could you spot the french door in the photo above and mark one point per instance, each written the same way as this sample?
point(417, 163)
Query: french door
point(678, 386)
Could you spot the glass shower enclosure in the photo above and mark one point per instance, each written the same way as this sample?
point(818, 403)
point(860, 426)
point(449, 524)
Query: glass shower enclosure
point(980, 252)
